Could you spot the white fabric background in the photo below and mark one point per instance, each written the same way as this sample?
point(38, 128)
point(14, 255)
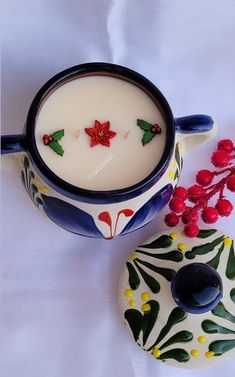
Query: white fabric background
point(59, 314)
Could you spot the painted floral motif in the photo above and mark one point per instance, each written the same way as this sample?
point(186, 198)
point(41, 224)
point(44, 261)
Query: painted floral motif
point(177, 164)
point(28, 179)
point(106, 218)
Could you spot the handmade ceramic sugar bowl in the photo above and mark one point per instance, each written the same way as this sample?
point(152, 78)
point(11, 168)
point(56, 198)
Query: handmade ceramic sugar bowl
point(177, 297)
point(101, 152)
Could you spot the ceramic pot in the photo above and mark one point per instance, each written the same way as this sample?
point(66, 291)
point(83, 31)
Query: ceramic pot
point(106, 213)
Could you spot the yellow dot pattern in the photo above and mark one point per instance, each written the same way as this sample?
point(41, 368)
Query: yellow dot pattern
point(43, 189)
point(132, 303)
point(181, 145)
point(128, 293)
point(195, 352)
point(156, 353)
point(171, 174)
point(173, 236)
point(181, 247)
point(145, 308)
point(133, 256)
point(201, 339)
point(228, 241)
point(209, 354)
point(145, 296)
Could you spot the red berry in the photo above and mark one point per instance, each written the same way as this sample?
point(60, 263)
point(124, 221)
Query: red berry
point(181, 192)
point(50, 139)
point(224, 207)
point(195, 192)
point(220, 158)
point(177, 204)
point(45, 139)
point(209, 215)
point(226, 145)
point(171, 219)
point(155, 129)
point(231, 183)
point(189, 216)
point(191, 230)
point(204, 177)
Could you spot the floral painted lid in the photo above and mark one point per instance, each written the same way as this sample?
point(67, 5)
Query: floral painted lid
point(177, 297)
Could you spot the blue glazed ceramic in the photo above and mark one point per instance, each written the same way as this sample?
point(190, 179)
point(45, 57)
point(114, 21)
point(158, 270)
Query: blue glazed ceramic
point(106, 213)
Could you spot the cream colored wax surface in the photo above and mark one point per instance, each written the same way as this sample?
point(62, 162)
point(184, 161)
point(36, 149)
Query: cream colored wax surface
point(75, 106)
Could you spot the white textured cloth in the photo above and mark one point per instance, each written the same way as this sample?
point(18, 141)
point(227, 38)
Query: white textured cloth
point(58, 311)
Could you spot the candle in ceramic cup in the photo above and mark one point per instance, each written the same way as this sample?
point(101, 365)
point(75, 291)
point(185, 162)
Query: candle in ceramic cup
point(74, 107)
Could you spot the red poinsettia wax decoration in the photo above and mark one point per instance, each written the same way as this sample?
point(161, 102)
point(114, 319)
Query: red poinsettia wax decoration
point(201, 193)
point(100, 133)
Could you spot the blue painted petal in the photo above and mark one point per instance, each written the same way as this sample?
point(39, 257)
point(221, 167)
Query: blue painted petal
point(70, 217)
point(146, 213)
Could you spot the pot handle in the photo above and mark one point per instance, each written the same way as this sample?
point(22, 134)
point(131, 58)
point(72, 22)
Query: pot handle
point(13, 144)
point(194, 130)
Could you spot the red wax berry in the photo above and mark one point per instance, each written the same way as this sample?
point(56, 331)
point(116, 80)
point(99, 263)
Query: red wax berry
point(171, 219)
point(50, 139)
point(181, 192)
point(231, 183)
point(45, 139)
point(177, 204)
point(220, 158)
point(204, 177)
point(226, 145)
point(155, 129)
point(195, 192)
point(189, 216)
point(191, 230)
point(224, 207)
point(209, 215)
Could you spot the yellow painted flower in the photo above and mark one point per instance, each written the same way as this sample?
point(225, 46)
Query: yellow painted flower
point(128, 293)
point(181, 247)
point(145, 296)
point(145, 308)
point(228, 241)
point(133, 256)
point(171, 174)
point(174, 236)
point(180, 145)
point(195, 352)
point(43, 189)
point(38, 182)
point(209, 354)
point(156, 352)
point(132, 303)
point(21, 161)
point(174, 164)
point(201, 339)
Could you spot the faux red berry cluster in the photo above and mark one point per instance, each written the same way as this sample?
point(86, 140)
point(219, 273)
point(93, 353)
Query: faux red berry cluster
point(47, 139)
point(201, 193)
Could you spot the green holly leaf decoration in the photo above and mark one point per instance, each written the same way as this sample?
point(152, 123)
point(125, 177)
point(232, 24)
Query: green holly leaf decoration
point(148, 136)
point(56, 148)
point(150, 130)
point(53, 141)
point(145, 126)
point(57, 136)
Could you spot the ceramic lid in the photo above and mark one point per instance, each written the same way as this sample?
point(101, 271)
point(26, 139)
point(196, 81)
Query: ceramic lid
point(177, 297)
